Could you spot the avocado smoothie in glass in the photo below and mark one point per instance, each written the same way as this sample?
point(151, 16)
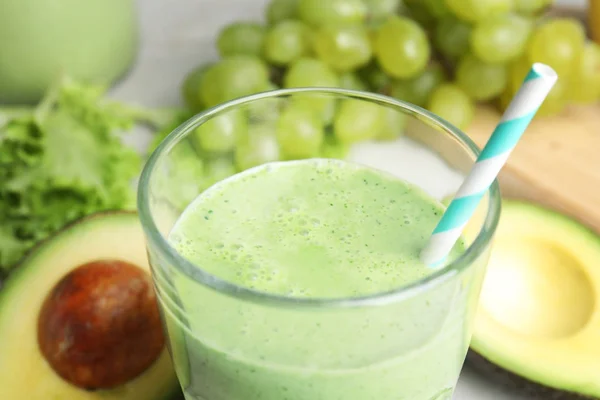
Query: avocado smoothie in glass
point(301, 280)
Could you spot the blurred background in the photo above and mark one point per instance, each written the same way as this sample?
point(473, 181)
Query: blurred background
point(106, 80)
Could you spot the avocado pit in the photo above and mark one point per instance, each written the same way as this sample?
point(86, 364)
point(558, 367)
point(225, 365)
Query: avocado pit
point(99, 327)
point(537, 288)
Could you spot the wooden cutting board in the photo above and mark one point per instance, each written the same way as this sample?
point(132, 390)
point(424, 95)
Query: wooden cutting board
point(556, 163)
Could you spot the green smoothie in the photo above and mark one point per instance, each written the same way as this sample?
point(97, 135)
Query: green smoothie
point(319, 229)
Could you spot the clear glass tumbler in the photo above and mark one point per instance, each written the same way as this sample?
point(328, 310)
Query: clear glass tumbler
point(234, 343)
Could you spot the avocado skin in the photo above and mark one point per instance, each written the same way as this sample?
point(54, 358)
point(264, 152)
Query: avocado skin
point(517, 383)
point(5, 274)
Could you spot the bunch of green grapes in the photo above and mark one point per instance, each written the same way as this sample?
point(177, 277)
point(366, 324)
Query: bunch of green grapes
point(443, 55)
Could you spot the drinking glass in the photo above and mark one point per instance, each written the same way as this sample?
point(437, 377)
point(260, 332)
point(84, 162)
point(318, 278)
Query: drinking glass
point(230, 342)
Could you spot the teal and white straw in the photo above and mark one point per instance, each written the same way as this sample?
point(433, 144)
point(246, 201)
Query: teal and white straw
point(518, 115)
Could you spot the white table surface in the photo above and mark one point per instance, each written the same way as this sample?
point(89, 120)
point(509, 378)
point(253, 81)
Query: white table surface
point(177, 35)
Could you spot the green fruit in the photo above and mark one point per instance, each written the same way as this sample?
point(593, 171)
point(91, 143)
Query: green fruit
point(452, 104)
point(191, 87)
point(418, 89)
point(58, 289)
point(500, 39)
point(245, 38)
point(258, 147)
point(280, 10)
point(319, 12)
point(221, 133)
point(394, 124)
point(480, 80)
point(402, 47)
point(351, 80)
point(300, 132)
point(585, 84)
point(309, 72)
point(343, 47)
point(559, 43)
point(381, 9)
point(452, 38)
point(233, 77)
point(358, 120)
point(549, 261)
point(478, 10)
point(286, 42)
point(531, 7)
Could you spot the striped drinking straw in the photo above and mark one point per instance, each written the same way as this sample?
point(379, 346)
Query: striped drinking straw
point(518, 115)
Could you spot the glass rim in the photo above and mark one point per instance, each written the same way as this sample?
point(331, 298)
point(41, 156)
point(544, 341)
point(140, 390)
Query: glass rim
point(159, 244)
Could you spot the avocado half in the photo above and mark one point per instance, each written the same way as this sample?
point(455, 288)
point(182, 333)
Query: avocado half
point(538, 322)
point(79, 320)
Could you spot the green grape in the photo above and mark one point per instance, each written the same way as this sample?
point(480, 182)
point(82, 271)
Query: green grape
point(531, 7)
point(299, 132)
point(517, 71)
point(233, 77)
point(221, 133)
point(375, 78)
point(401, 47)
point(264, 110)
point(500, 39)
point(181, 176)
point(343, 47)
point(427, 12)
point(280, 10)
point(481, 81)
point(270, 86)
point(357, 120)
point(320, 12)
point(381, 9)
point(556, 100)
point(394, 124)
point(191, 87)
point(350, 80)
point(452, 104)
point(505, 98)
point(558, 42)
point(286, 42)
point(322, 105)
point(244, 38)
point(452, 38)
point(585, 83)
point(332, 148)
point(477, 10)
point(217, 169)
point(418, 89)
point(309, 72)
point(417, 11)
point(437, 8)
point(372, 28)
point(258, 147)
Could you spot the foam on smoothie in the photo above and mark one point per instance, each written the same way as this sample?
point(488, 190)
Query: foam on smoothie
point(311, 228)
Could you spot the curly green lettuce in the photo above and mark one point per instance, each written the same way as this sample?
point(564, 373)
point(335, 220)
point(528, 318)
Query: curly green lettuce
point(62, 160)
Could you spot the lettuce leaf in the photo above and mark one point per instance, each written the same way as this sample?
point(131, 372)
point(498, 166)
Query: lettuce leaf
point(62, 160)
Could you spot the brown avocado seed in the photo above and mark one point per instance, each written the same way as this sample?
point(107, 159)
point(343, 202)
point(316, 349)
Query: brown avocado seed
point(100, 327)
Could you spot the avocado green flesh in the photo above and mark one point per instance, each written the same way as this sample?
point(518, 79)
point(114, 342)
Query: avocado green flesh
point(538, 316)
point(25, 372)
